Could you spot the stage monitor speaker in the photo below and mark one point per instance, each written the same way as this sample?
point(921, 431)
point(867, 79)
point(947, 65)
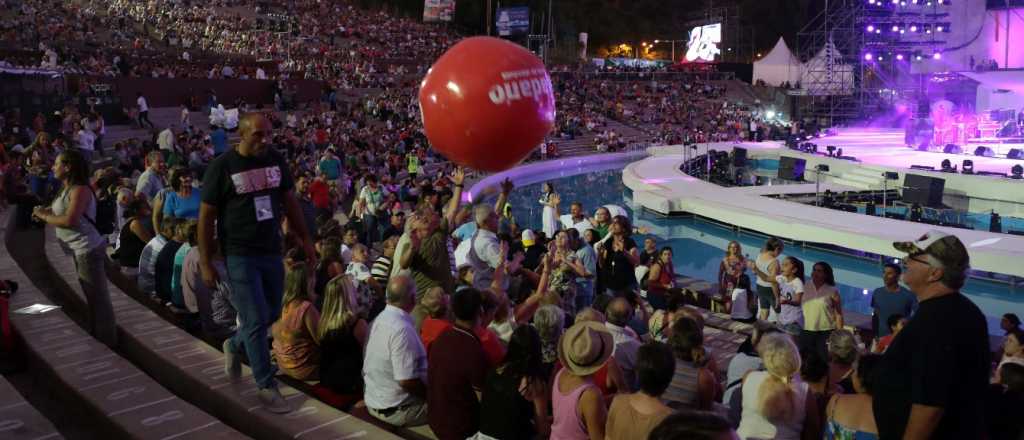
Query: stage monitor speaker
point(953, 149)
point(870, 208)
point(1015, 153)
point(984, 152)
point(791, 168)
point(739, 157)
point(923, 190)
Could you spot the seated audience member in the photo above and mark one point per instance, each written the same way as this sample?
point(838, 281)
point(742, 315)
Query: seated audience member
point(851, 416)
point(395, 364)
point(635, 415)
point(133, 238)
point(693, 384)
point(660, 325)
point(296, 333)
point(514, 402)
point(456, 368)
point(843, 351)
point(775, 403)
point(431, 316)
point(550, 323)
point(1003, 402)
point(359, 273)
point(190, 236)
point(163, 270)
point(814, 371)
point(147, 260)
point(343, 336)
point(627, 343)
point(1013, 350)
point(577, 405)
point(742, 306)
point(492, 345)
point(896, 322)
point(216, 314)
point(693, 425)
point(1009, 322)
point(746, 360)
point(609, 378)
point(330, 264)
point(183, 200)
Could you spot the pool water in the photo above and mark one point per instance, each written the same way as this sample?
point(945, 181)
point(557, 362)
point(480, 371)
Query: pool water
point(699, 245)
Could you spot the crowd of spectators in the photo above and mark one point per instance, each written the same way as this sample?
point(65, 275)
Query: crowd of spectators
point(387, 288)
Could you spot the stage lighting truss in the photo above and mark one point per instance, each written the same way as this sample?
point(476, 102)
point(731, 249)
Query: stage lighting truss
point(904, 31)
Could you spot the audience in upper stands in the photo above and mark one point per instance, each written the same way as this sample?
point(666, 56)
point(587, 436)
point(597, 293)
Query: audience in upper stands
point(525, 334)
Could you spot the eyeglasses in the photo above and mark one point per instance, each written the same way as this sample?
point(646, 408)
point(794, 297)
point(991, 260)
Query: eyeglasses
point(918, 259)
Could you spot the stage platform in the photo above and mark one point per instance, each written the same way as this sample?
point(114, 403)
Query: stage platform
point(886, 147)
point(658, 185)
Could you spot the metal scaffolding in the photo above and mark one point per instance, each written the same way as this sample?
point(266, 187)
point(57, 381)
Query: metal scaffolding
point(830, 46)
point(858, 57)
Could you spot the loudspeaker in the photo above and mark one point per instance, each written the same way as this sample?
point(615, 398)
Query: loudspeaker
point(1015, 153)
point(791, 168)
point(923, 190)
point(984, 151)
point(739, 157)
point(953, 149)
point(870, 208)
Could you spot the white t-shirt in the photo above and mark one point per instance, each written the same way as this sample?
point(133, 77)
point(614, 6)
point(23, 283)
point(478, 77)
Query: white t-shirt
point(740, 308)
point(788, 290)
point(753, 424)
point(86, 140)
point(582, 226)
point(143, 107)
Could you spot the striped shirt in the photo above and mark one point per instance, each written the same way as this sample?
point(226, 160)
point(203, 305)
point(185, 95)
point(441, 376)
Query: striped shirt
point(682, 391)
point(381, 269)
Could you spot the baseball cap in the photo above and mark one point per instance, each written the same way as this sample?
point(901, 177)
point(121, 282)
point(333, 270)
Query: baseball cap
point(946, 248)
point(529, 238)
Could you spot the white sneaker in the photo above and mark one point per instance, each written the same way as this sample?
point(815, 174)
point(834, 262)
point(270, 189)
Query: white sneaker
point(232, 364)
point(273, 401)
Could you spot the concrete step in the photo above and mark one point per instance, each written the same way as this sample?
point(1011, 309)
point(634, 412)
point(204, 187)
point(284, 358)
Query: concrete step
point(853, 183)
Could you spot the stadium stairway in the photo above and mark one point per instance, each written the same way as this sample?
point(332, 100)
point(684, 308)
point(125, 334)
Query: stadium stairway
point(195, 371)
point(91, 381)
point(19, 420)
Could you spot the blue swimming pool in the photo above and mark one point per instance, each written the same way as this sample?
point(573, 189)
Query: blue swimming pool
point(699, 245)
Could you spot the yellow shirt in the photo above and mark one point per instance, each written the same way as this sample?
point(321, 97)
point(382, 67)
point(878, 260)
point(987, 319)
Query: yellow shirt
point(819, 307)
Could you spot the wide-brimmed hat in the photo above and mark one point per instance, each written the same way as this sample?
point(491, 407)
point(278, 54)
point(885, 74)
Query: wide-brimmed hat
point(585, 347)
point(946, 248)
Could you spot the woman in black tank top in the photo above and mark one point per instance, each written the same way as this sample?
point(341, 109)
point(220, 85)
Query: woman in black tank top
point(134, 234)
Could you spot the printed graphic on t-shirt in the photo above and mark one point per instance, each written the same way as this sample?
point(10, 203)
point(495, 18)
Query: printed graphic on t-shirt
point(257, 179)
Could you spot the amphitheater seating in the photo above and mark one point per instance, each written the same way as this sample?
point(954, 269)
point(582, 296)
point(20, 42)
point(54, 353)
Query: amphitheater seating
point(19, 420)
point(195, 370)
point(121, 400)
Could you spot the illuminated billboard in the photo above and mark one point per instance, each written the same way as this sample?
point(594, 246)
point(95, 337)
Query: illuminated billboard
point(704, 41)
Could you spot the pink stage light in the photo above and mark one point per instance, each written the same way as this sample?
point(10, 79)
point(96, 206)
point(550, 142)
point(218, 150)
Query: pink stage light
point(871, 28)
point(937, 56)
point(913, 28)
point(899, 57)
point(868, 56)
point(895, 28)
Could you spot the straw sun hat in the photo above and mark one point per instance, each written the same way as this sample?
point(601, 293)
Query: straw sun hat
point(585, 347)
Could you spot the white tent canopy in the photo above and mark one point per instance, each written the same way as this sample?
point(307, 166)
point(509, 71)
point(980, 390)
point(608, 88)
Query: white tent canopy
point(778, 66)
point(825, 74)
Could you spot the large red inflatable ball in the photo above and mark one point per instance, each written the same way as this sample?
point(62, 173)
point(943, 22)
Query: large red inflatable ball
point(487, 103)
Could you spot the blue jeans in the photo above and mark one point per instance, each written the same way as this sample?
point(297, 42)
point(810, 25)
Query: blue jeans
point(584, 293)
point(257, 285)
point(370, 233)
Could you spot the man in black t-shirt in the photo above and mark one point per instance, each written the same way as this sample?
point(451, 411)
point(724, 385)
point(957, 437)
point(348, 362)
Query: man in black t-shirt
point(246, 191)
point(932, 379)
